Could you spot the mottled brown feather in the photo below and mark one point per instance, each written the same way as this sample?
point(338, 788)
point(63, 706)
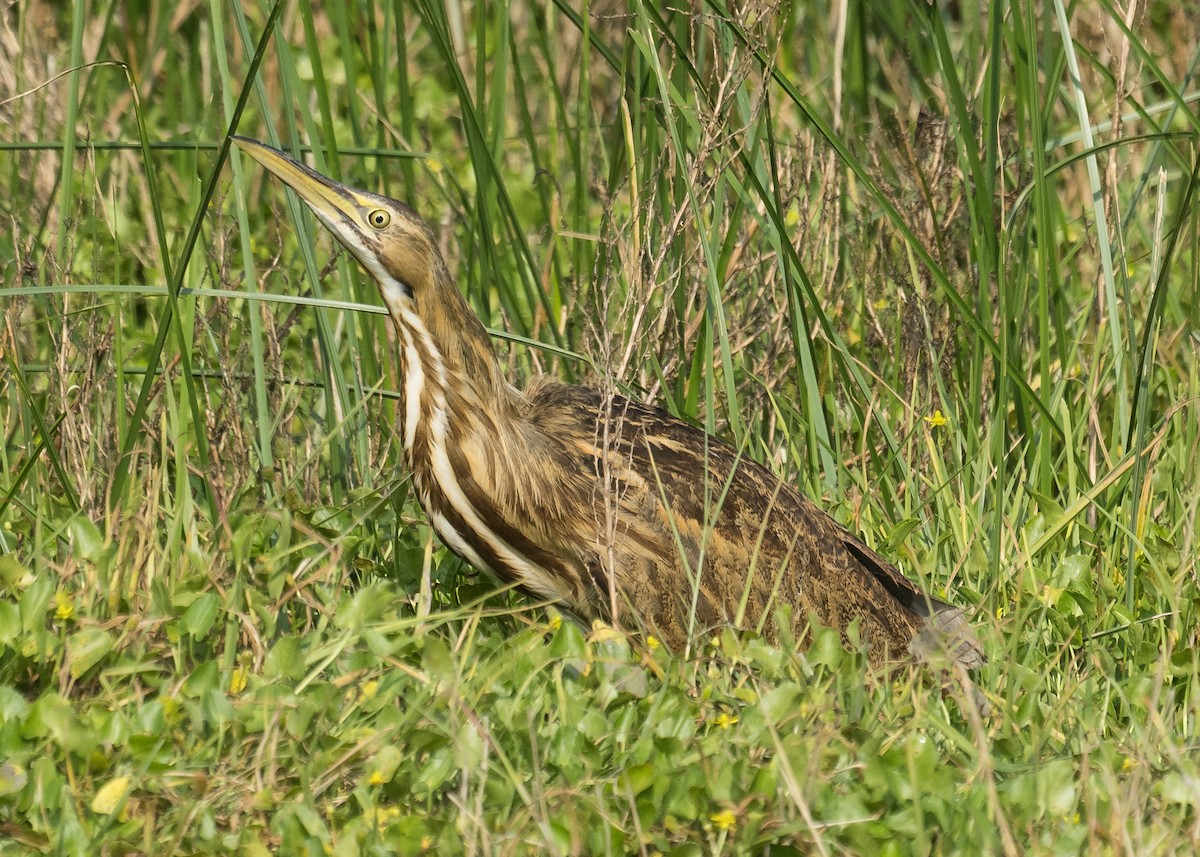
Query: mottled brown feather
point(678, 493)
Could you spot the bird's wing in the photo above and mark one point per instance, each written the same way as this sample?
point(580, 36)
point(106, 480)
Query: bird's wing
point(696, 535)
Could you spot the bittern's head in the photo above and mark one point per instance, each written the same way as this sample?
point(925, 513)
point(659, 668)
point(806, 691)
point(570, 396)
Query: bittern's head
point(398, 249)
point(387, 237)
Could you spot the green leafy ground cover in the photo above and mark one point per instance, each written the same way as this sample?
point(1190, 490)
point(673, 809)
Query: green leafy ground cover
point(936, 263)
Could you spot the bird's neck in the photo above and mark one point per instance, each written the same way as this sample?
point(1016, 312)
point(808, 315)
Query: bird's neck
point(450, 371)
point(465, 439)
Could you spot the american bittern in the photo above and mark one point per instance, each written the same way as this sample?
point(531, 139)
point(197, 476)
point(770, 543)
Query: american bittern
point(609, 507)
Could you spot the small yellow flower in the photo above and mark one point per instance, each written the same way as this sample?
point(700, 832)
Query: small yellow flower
point(237, 680)
point(376, 778)
point(724, 819)
point(724, 721)
point(652, 642)
point(369, 689)
point(937, 420)
point(880, 305)
point(604, 633)
point(555, 622)
point(110, 795)
point(385, 815)
point(63, 607)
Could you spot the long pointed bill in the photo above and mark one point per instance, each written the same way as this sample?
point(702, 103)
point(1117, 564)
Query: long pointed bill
point(373, 228)
point(337, 206)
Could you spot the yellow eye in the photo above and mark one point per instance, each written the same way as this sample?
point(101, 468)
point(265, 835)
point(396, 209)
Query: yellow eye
point(379, 218)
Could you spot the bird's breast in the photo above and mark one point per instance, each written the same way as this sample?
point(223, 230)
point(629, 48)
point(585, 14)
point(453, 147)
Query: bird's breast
point(461, 495)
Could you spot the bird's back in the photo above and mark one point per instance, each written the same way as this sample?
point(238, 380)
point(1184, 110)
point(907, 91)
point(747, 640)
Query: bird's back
point(694, 536)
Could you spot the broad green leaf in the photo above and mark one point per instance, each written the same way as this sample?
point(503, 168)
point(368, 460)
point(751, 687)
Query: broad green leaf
point(86, 648)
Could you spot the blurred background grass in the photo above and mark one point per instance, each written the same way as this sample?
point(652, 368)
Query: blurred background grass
point(935, 263)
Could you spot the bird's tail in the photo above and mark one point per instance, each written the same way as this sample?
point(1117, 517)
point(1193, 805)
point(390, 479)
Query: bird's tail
point(947, 635)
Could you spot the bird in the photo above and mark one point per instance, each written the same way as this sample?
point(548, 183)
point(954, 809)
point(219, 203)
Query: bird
point(612, 509)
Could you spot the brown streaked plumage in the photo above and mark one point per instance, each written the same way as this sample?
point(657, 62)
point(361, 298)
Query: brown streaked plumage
point(609, 507)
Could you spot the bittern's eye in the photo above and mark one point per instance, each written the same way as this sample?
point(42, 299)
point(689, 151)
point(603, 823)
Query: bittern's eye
point(379, 218)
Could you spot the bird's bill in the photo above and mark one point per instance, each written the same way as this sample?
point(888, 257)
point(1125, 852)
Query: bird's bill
point(332, 202)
